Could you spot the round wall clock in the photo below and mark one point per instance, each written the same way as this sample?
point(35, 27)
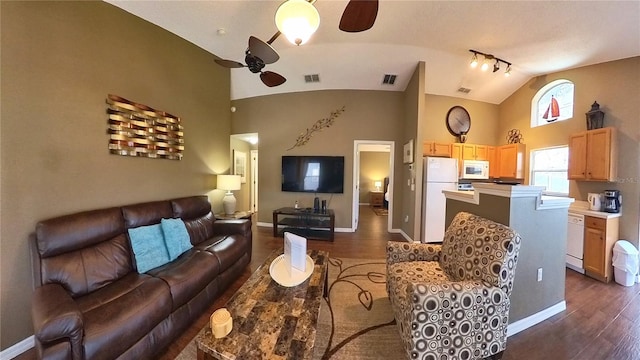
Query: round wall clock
point(458, 121)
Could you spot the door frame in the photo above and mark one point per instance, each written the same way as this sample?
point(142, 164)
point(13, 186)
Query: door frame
point(357, 146)
point(254, 180)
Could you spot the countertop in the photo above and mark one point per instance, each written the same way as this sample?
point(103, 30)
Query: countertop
point(582, 208)
point(512, 191)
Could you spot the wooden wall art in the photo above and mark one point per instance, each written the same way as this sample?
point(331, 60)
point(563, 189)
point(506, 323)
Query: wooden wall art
point(139, 130)
point(319, 125)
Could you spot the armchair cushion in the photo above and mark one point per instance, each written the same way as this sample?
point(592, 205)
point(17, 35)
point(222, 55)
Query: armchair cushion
point(475, 248)
point(401, 251)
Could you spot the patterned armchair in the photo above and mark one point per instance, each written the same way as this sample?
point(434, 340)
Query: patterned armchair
point(451, 301)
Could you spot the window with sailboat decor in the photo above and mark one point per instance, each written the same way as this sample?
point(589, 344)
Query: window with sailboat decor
point(552, 103)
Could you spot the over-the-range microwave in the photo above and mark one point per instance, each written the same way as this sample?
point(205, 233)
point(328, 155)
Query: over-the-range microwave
point(475, 169)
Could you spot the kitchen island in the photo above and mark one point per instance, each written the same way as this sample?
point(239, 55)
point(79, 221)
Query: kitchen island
point(541, 221)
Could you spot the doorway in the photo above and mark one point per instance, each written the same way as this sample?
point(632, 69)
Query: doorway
point(247, 145)
point(369, 171)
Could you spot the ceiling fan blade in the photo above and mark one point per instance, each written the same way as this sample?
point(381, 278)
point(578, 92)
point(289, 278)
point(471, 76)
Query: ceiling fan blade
point(359, 15)
point(272, 79)
point(262, 50)
point(229, 63)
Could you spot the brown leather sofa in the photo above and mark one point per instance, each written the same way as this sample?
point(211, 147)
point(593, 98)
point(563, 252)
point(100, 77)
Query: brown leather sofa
point(90, 302)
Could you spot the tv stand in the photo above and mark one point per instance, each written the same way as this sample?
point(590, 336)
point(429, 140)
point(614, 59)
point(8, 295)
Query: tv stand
point(304, 222)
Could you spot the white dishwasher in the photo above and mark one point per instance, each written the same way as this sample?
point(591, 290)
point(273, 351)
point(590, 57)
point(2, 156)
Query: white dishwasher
point(575, 242)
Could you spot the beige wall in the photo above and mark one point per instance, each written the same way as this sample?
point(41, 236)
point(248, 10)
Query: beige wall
point(616, 87)
point(279, 119)
point(484, 120)
point(59, 62)
point(374, 166)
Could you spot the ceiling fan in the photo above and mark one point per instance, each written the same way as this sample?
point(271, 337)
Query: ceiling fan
point(257, 55)
point(359, 15)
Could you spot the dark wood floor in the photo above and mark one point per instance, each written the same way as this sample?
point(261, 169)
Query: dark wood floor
point(602, 321)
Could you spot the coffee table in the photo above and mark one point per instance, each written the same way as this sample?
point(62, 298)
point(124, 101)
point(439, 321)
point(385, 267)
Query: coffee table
point(270, 321)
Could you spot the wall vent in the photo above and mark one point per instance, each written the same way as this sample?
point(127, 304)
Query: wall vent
point(312, 78)
point(464, 90)
point(389, 79)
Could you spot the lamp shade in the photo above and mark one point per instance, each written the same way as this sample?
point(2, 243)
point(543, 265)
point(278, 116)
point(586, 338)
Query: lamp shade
point(377, 184)
point(229, 182)
point(297, 20)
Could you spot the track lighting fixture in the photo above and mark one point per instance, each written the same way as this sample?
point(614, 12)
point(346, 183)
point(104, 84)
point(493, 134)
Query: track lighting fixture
point(487, 59)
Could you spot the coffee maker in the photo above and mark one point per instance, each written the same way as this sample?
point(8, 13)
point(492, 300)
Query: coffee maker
point(612, 201)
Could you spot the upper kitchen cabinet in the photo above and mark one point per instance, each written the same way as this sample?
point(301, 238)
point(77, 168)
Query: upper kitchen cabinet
point(592, 155)
point(511, 161)
point(474, 152)
point(432, 148)
point(492, 156)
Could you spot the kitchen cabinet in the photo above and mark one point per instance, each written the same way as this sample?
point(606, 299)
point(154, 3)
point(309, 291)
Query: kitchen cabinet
point(432, 148)
point(456, 153)
point(599, 237)
point(592, 155)
point(474, 152)
point(492, 156)
point(511, 161)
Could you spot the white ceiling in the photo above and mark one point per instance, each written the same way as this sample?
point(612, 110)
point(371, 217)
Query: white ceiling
point(538, 37)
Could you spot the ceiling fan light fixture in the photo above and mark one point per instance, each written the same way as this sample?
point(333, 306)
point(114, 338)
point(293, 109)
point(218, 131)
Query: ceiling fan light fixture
point(297, 20)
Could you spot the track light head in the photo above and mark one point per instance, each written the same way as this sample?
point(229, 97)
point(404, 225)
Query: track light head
point(474, 61)
point(496, 66)
point(485, 65)
point(507, 72)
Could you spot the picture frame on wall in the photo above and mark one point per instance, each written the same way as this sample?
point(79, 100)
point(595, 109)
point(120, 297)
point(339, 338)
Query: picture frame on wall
point(240, 165)
point(407, 153)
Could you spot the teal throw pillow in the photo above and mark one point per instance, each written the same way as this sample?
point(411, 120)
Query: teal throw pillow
point(176, 237)
point(147, 243)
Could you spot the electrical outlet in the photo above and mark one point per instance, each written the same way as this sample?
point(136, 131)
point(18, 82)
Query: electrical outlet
point(540, 274)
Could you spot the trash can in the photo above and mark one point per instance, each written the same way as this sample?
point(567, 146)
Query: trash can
point(625, 263)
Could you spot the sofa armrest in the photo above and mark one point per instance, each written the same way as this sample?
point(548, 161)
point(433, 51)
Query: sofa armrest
point(232, 227)
point(56, 316)
point(404, 251)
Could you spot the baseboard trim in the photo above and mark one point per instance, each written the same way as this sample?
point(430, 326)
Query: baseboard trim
point(536, 318)
point(17, 349)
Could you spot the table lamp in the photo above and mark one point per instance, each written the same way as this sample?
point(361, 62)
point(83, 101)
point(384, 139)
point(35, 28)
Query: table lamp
point(377, 184)
point(229, 183)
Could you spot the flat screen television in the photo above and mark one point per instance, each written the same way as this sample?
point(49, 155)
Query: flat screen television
point(314, 174)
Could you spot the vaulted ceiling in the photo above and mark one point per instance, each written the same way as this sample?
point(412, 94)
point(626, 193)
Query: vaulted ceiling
point(537, 37)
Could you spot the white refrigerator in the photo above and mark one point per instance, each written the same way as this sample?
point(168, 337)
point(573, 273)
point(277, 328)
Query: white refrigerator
point(439, 174)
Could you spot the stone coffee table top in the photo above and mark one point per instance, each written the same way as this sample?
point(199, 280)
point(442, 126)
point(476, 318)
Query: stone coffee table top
point(270, 321)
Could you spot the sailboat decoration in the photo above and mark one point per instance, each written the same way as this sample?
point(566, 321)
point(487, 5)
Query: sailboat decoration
point(554, 109)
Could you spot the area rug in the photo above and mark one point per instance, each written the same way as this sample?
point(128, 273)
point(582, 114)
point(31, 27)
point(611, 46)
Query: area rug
point(380, 211)
point(357, 321)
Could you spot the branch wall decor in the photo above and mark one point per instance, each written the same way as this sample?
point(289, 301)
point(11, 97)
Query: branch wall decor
point(319, 125)
point(139, 130)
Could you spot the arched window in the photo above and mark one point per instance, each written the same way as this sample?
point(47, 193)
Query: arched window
point(552, 103)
